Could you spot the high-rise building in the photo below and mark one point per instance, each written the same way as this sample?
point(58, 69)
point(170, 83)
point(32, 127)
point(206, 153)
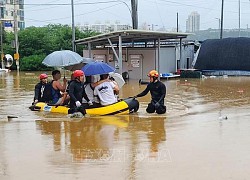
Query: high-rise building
point(11, 10)
point(193, 22)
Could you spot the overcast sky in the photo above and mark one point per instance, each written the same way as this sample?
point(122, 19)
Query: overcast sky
point(161, 13)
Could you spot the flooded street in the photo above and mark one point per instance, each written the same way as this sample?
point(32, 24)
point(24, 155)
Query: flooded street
point(205, 134)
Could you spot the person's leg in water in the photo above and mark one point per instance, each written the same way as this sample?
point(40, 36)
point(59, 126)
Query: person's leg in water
point(150, 108)
point(161, 109)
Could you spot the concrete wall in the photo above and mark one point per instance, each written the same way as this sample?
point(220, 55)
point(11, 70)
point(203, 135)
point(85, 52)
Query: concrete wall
point(147, 62)
point(187, 56)
point(167, 60)
point(139, 61)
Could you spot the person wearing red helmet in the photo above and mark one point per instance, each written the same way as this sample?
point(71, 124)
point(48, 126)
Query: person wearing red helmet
point(40, 89)
point(76, 90)
point(158, 92)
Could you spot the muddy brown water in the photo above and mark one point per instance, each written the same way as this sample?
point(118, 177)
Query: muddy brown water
point(204, 134)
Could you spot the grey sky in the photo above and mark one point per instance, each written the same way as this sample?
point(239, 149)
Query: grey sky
point(158, 12)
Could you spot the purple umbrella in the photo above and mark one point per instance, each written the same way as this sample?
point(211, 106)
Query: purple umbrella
point(96, 67)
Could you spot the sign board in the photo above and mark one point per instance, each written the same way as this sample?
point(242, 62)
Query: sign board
point(135, 63)
point(7, 24)
point(16, 56)
point(135, 60)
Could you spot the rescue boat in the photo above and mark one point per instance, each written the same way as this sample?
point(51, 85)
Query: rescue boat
point(124, 106)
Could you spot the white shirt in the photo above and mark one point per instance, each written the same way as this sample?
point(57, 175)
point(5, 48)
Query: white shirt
point(89, 92)
point(105, 92)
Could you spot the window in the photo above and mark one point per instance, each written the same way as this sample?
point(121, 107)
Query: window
point(21, 25)
point(2, 11)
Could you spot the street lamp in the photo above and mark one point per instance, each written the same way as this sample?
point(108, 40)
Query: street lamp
point(73, 20)
point(219, 24)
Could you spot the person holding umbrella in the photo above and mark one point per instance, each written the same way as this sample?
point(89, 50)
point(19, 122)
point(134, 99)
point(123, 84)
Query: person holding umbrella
point(158, 92)
point(77, 91)
point(57, 88)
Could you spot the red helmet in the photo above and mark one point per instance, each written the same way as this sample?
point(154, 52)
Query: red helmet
point(78, 73)
point(43, 76)
point(153, 73)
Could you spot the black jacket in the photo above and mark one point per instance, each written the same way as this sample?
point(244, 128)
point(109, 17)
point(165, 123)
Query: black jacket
point(40, 92)
point(77, 92)
point(157, 91)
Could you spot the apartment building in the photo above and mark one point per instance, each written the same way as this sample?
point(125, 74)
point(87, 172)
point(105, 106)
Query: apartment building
point(11, 10)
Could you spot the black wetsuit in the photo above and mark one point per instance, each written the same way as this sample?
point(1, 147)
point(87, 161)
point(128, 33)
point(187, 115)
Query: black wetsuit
point(76, 93)
point(158, 93)
point(40, 92)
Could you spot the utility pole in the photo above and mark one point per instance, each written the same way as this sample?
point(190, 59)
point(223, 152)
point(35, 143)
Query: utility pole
point(16, 55)
point(134, 5)
point(73, 26)
point(221, 24)
point(247, 30)
point(239, 18)
point(2, 54)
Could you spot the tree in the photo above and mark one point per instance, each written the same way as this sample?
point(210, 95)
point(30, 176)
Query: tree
point(37, 42)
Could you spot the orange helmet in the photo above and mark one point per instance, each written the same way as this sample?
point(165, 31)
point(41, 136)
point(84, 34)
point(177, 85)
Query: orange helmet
point(78, 73)
point(43, 76)
point(153, 73)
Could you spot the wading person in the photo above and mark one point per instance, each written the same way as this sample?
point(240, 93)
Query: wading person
point(158, 92)
point(40, 89)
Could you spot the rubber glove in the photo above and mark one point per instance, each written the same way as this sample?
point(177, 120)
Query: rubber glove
point(78, 104)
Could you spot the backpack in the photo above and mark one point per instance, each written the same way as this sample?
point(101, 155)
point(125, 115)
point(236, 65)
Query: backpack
point(47, 93)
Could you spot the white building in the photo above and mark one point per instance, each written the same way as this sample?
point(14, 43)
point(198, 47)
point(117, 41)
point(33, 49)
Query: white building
point(104, 28)
point(193, 22)
point(8, 10)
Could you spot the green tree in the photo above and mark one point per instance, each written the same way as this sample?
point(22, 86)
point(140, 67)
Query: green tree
point(37, 42)
point(33, 63)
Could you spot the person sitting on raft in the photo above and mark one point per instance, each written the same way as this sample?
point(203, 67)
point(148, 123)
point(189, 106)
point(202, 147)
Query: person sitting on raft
point(77, 91)
point(40, 95)
point(57, 88)
point(105, 90)
point(89, 87)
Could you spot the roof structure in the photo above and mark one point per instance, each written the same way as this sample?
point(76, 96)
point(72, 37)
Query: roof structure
point(224, 54)
point(131, 36)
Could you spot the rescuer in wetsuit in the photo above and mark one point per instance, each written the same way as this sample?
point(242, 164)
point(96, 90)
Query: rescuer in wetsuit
point(77, 91)
point(158, 92)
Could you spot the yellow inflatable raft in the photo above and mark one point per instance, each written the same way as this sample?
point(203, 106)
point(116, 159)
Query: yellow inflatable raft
point(125, 106)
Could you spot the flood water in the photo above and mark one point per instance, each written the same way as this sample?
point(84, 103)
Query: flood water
point(205, 134)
